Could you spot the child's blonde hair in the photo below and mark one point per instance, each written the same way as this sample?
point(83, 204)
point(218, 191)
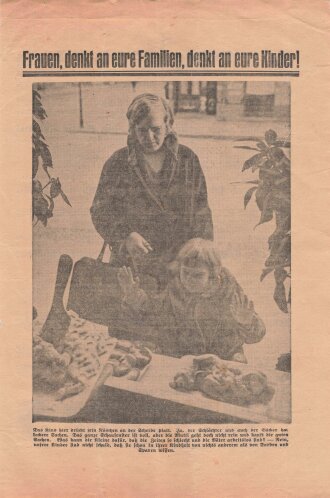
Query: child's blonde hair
point(200, 251)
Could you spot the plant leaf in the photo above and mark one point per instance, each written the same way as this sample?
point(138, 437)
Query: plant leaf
point(267, 210)
point(270, 137)
point(43, 219)
point(55, 187)
point(281, 200)
point(50, 207)
point(280, 297)
point(37, 109)
point(253, 161)
point(65, 199)
point(248, 196)
point(247, 139)
point(35, 162)
point(39, 205)
point(262, 146)
point(254, 182)
point(245, 147)
point(282, 143)
point(266, 215)
point(281, 181)
point(280, 274)
point(36, 129)
point(261, 196)
point(265, 272)
point(47, 161)
point(36, 187)
point(276, 154)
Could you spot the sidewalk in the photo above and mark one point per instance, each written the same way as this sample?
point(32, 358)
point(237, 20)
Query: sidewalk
point(197, 125)
point(102, 113)
point(204, 126)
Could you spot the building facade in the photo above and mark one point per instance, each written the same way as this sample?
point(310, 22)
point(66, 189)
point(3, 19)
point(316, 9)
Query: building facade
point(232, 100)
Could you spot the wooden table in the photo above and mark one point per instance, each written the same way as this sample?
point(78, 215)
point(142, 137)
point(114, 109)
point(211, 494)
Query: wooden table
point(152, 400)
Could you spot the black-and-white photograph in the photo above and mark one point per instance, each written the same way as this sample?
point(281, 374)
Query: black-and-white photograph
point(161, 252)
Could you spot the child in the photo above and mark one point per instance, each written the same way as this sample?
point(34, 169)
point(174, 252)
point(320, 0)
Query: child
point(202, 310)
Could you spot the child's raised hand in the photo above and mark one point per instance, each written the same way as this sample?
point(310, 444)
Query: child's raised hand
point(241, 309)
point(126, 280)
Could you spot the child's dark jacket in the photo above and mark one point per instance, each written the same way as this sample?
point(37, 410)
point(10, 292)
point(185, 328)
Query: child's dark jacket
point(186, 324)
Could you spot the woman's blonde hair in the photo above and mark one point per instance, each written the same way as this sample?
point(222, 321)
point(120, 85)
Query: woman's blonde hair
point(200, 251)
point(140, 108)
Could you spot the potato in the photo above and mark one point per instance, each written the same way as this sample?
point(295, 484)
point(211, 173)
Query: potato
point(212, 388)
point(131, 359)
point(141, 360)
point(122, 369)
point(124, 345)
point(134, 374)
point(255, 382)
point(184, 380)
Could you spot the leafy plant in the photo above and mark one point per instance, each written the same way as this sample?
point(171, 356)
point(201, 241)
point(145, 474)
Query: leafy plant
point(272, 191)
point(42, 202)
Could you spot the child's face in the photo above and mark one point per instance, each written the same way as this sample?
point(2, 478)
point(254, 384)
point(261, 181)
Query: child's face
point(195, 279)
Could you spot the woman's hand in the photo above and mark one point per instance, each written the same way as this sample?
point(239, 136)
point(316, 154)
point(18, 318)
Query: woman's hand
point(136, 245)
point(242, 310)
point(126, 281)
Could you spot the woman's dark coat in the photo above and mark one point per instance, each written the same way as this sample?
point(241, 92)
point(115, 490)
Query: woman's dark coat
point(127, 201)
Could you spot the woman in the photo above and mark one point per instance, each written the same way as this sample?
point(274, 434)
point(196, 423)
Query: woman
point(152, 195)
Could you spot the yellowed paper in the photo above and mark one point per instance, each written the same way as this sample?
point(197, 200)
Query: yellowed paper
point(86, 124)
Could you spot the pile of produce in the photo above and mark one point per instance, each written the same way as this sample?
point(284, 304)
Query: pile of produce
point(128, 359)
point(71, 366)
point(211, 376)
